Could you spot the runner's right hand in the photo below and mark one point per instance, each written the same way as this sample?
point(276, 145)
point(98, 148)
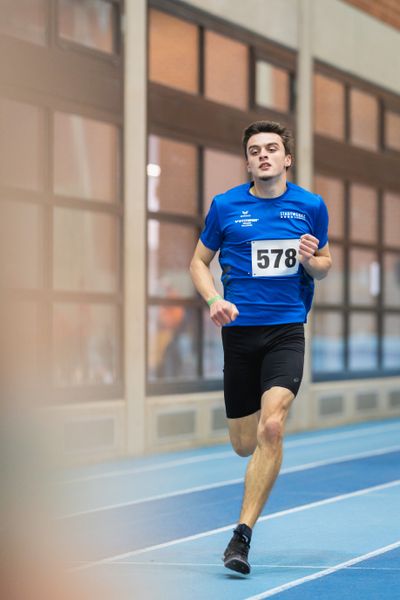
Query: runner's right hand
point(223, 312)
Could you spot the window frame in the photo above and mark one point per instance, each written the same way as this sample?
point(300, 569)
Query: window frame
point(100, 100)
point(64, 44)
point(376, 169)
point(194, 119)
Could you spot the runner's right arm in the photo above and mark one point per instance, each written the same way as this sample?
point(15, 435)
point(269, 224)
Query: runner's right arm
point(221, 311)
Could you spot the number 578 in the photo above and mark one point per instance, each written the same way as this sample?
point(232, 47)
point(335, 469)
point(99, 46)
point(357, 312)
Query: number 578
point(265, 256)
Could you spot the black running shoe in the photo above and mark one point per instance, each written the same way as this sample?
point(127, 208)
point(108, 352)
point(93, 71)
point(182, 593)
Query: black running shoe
point(236, 553)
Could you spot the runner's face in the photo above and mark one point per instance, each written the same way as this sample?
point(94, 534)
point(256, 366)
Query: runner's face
point(266, 157)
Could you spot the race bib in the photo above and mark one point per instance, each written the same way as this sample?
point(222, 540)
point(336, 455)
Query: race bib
point(270, 258)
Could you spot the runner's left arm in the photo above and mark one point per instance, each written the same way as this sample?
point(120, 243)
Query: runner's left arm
point(316, 261)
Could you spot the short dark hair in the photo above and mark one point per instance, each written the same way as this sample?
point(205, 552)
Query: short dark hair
point(269, 127)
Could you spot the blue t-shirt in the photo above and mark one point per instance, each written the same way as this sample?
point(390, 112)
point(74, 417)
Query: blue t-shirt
point(258, 241)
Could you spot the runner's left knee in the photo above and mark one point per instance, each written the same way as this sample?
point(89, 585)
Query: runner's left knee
point(270, 431)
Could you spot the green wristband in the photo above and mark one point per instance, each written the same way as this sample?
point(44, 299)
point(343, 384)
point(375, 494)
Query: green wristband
point(214, 299)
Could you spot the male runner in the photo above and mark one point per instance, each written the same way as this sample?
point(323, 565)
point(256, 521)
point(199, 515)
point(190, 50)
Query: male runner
point(273, 242)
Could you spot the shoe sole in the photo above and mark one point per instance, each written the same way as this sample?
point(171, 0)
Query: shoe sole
point(235, 564)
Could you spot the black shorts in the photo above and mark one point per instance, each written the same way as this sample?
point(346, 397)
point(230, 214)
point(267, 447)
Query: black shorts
point(257, 358)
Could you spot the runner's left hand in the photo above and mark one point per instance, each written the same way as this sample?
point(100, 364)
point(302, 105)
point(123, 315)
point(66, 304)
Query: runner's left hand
point(308, 247)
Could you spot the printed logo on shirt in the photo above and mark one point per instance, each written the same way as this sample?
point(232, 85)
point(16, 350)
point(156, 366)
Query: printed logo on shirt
point(291, 214)
point(246, 219)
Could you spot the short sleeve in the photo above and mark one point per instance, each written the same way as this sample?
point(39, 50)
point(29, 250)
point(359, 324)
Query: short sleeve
point(211, 236)
point(321, 225)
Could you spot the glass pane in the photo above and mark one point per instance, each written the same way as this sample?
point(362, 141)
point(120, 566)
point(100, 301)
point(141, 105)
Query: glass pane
point(392, 130)
point(85, 251)
point(24, 19)
point(85, 344)
point(330, 289)
point(364, 121)
point(391, 266)
point(21, 149)
point(327, 342)
point(86, 158)
point(272, 87)
point(363, 213)
point(171, 247)
point(19, 328)
point(329, 117)
point(332, 191)
point(213, 356)
point(226, 70)
point(222, 171)
point(89, 23)
point(364, 277)
point(391, 342)
point(173, 52)
point(21, 241)
point(363, 342)
point(173, 334)
point(391, 220)
point(172, 176)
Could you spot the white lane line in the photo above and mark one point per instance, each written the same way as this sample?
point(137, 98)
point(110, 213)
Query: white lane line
point(324, 573)
point(210, 486)
point(155, 563)
point(197, 536)
point(230, 454)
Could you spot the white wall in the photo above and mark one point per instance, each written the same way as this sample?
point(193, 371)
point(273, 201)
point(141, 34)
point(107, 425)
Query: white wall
point(273, 19)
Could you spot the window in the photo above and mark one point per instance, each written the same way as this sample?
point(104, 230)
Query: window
point(86, 251)
point(364, 120)
point(21, 241)
point(89, 23)
point(226, 70)
point(201, 84)
point(25, 20)
point(172, 177)
point(331, 289)
point(391, 222)
point(332, 191)
point(391, 342)
point(86, 158)
point(173, 333)
point(272, 87)
point(21, 145)
point(363, 287)
point(346, 113)
point(222, 170)
point(85, 344)
point(171, 247)
point(391, 290)
point(60, 196)
point(363, 342)
point(184, 346)
point(173, 52)
point(327, 342)
point(361, 295)
point(329, 109)
point(392, 130)
point(363, 214)
point(198, 62)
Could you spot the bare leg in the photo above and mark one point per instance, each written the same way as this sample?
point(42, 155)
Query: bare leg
point(243, 434)
point(265, 463)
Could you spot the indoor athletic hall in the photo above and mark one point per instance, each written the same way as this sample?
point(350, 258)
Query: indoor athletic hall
point(120, 121)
